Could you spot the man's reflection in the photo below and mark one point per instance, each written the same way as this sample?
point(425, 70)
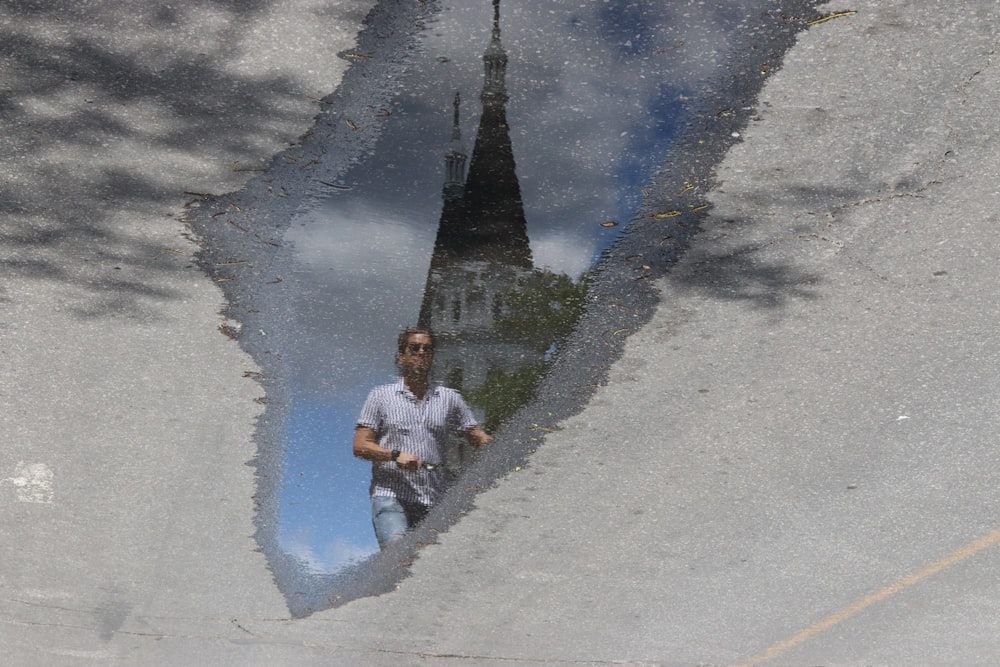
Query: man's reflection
point(403, 429)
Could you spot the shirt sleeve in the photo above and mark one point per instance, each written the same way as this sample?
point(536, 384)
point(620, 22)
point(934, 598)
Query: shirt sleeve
point(371, 416)
point(462, 414)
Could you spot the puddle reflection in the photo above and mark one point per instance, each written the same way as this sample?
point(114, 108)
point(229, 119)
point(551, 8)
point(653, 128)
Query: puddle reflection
point(488, 251)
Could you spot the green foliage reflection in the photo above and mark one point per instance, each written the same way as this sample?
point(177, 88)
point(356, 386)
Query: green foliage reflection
point(539, 313)
point(505, 391)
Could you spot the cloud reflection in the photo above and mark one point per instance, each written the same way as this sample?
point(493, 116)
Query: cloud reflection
point(319, 557)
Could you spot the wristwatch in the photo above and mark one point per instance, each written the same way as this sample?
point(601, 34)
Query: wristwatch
point(394, 455)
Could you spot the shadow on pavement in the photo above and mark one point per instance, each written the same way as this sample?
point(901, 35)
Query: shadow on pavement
point(110, 113)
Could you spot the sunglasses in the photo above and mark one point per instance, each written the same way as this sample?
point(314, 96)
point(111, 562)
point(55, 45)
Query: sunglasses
point(419, 347)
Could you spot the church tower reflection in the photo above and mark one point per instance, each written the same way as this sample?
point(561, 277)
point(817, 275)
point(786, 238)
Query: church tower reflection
point(482, 281)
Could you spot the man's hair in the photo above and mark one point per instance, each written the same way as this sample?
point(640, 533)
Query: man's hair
point(404, 336)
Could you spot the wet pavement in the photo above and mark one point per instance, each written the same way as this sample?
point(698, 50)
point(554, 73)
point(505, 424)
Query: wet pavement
point(802, 426)
point(488, 194)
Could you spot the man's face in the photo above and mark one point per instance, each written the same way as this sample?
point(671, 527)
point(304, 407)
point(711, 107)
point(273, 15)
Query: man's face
point(418, 354)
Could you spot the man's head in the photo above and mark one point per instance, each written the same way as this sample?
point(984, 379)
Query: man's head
point(403, 341)
point(416, 351)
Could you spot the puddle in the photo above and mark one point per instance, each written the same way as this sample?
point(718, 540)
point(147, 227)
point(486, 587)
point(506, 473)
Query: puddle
point(474, 174)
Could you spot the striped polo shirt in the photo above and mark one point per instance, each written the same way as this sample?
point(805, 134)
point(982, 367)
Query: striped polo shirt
point(402, 422)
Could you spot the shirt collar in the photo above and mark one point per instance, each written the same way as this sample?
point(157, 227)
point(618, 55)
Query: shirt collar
point(400, 388)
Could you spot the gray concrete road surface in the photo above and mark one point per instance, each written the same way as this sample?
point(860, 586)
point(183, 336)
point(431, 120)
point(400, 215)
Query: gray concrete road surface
point(794, 463)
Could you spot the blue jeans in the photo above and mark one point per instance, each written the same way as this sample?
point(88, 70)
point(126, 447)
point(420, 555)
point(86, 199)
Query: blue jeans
point(392, 517)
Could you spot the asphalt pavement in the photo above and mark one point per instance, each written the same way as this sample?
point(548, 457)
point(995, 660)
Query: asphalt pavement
point(794, 462)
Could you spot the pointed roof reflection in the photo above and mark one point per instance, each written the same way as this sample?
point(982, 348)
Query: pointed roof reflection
point(487, 223)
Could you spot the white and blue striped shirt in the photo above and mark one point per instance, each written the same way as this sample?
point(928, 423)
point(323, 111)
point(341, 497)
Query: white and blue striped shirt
point(402, 422)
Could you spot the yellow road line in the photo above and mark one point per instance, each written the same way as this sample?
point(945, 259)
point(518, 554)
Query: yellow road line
point(959, 554)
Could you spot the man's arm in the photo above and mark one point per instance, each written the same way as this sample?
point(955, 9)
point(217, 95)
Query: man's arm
point(476, 436)
point(366, 447)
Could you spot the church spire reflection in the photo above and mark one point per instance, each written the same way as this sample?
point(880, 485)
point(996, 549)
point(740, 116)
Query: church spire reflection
point(483, 217)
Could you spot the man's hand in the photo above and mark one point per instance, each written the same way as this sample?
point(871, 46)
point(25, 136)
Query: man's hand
point(408, 461)
point(476, 436)
point(366, 447)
